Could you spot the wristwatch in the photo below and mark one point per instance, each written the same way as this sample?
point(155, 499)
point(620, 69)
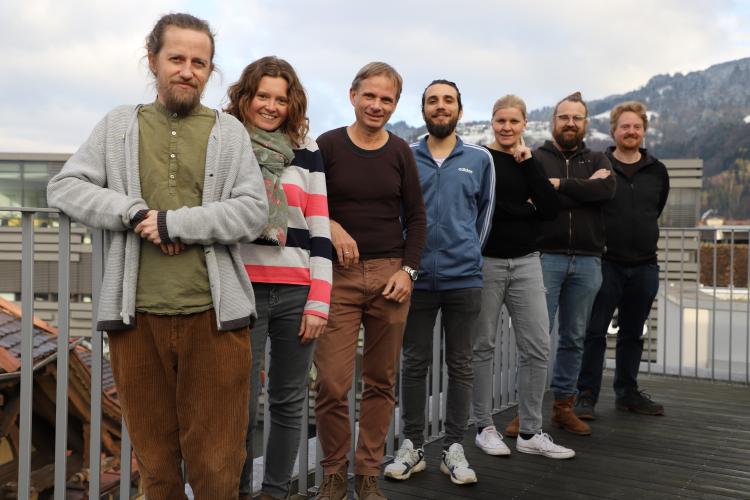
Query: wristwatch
point(413, 274)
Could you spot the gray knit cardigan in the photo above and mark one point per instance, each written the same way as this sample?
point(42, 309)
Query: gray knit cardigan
point(100, 187)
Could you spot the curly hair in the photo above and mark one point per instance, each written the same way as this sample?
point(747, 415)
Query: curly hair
point(242, 92)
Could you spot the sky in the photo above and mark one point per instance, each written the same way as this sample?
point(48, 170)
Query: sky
point(67, 62)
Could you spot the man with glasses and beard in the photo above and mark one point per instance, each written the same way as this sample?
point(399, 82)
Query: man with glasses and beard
point(572, 246)
point(176, 187)
point(458, 184)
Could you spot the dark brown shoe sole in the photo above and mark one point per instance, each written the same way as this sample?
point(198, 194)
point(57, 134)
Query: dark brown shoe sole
point(585, 416)
point(567, 429)
point(633, 409)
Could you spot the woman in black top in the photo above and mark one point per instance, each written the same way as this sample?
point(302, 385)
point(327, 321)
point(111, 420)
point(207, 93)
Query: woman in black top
point(513, 277)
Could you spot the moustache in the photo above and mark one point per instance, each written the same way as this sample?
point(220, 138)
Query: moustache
point(192, 83)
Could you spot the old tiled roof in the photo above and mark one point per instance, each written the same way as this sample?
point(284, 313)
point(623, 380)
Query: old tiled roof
point(45, 344)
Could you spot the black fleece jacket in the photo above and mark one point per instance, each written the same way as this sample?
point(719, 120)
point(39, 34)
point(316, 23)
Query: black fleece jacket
point(631, 217)
point(578, 228)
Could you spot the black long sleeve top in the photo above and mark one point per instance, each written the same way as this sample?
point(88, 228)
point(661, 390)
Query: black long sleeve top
point(523, 197)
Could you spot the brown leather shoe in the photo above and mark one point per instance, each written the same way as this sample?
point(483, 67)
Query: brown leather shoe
point(512, 429)
point(366, 488)
point(333, 487)
point(565, 418)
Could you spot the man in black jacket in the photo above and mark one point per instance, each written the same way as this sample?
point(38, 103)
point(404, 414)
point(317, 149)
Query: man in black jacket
point(572, 246)
point(629, 271)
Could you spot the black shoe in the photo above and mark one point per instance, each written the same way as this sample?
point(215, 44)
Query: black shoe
point(639, 402)
point(584, 408)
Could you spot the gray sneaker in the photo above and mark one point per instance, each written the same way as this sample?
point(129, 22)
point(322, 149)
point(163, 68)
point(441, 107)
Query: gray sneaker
point(408, 461)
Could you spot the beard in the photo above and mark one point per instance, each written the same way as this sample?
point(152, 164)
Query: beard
point(181, 101)
point(567, 142)
point(441, 131)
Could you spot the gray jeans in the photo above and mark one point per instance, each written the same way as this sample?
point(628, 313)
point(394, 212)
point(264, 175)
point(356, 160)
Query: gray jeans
point(459, 311)
point(279, 315)
point(518, 284)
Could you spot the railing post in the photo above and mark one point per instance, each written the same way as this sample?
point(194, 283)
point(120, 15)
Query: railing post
point(665, 334)
point(125, 462)
point(63, 344)
point(435, 369)
point(95, 428)
point(27, 359)
point(682, 289)
point(731, 301)
point(713, 313)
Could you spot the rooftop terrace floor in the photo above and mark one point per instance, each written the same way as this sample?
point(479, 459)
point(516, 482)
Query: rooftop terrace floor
point(699, 449)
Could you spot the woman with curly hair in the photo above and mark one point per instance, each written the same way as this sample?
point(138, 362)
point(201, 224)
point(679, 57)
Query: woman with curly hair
point(289, 265)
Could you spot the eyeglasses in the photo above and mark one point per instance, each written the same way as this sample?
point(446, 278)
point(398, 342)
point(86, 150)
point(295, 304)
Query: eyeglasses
point(567, 118)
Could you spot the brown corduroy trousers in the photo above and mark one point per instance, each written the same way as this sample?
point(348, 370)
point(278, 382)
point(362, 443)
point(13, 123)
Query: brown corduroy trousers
point(184, 391)
point(356, 298)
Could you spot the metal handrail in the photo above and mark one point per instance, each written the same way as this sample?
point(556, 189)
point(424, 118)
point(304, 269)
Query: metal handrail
point(504, 393)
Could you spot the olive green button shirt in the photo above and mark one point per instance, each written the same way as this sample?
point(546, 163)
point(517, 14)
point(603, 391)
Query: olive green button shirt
point(172, 167)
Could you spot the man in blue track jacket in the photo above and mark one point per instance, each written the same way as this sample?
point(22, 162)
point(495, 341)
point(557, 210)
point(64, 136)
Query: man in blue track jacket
point(458, 183)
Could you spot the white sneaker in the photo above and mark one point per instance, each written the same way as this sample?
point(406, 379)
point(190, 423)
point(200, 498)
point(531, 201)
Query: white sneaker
point(491, 442)
point(455, 465)
point(542, 444)
point(407, 461)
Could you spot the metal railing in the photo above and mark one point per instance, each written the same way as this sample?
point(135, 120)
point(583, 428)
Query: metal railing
point(703, 307)
point(679, 246)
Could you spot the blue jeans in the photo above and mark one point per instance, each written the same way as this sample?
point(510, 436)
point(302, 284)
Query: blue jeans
point(459, 309)
point(631, 290)
point(572, 282)
point(280, 310)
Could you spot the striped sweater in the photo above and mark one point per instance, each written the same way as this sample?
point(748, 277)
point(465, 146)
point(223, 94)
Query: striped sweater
point(306, 258)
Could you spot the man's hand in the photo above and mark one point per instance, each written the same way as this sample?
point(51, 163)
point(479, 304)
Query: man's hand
point(399, 287)
point(311, 327)
point(172, 248)
point(602, 173)
point(555, 182)
point(346, 247)
point(148, 229)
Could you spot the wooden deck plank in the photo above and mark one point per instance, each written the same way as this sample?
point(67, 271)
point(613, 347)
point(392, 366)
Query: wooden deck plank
point(699, 449)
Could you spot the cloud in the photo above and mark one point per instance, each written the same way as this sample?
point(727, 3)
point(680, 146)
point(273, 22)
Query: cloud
point(69, 62)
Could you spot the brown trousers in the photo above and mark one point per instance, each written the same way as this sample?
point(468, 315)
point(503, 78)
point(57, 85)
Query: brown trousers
point(356, 298)
point(184, 391)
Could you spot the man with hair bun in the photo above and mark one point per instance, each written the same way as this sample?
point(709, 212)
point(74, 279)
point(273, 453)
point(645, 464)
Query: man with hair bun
point(630, 273)
point(176, 187)
point(572, 245)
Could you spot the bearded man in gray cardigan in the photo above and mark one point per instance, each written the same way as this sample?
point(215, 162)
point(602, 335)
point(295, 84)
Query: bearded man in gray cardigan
point(176, 187)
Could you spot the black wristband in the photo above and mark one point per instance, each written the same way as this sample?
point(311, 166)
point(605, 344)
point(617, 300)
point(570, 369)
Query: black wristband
point(161, 225)
point(138, 217)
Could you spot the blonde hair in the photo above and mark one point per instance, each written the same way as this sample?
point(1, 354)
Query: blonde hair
point(636, 107)
point(510, 101)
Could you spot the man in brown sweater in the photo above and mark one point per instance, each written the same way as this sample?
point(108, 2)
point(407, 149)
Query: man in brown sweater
point(373, 195)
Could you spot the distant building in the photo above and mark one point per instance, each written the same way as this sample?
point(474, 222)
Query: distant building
point(23, 183)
